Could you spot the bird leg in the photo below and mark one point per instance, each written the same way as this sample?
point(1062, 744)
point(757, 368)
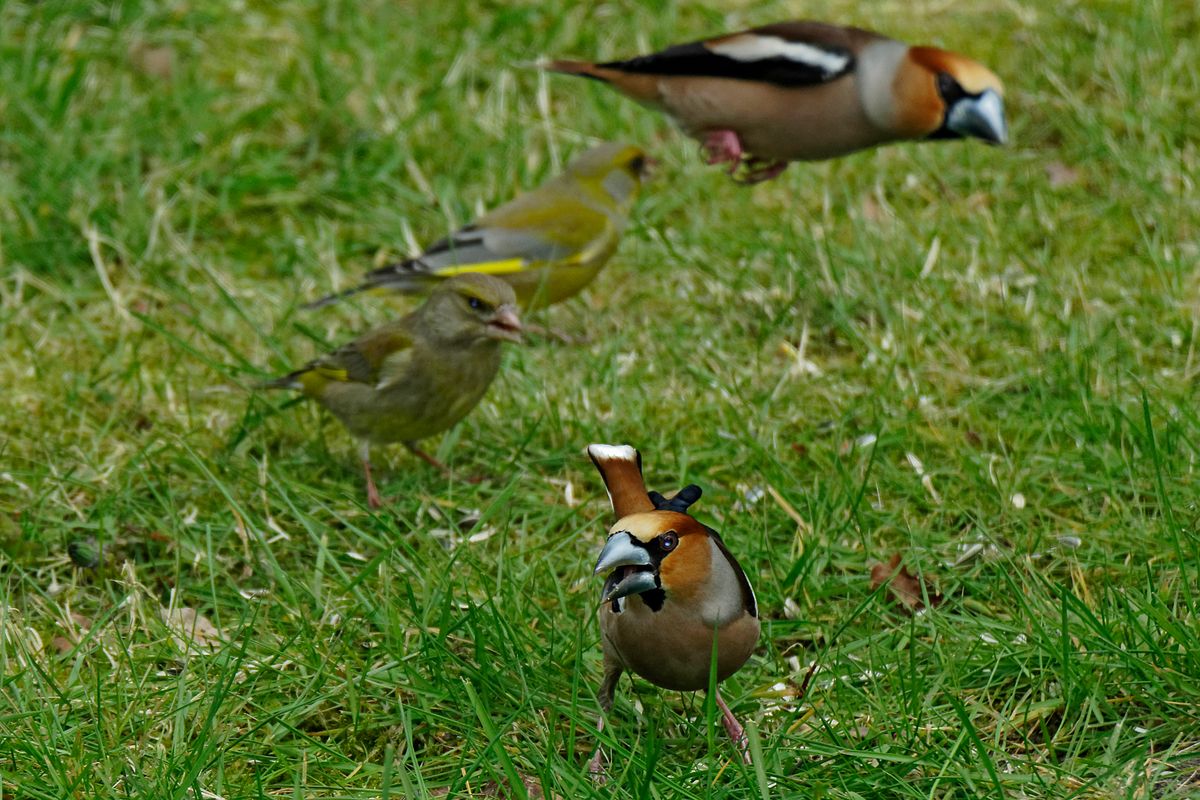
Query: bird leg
point(756, 170)
point(734, 728)
point(428, 459)
point(439, 466)
point(608, 687)
point(373, 498)
point(722, 147)
point(596, 765)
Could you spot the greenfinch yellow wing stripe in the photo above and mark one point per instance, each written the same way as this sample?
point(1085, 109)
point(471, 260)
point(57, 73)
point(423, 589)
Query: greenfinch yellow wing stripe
point(486, 267)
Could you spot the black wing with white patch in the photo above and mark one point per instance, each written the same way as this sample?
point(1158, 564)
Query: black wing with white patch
point(761, 55)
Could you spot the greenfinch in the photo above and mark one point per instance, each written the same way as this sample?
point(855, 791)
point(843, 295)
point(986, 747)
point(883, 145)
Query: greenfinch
point(548, 244)
point(804, 91)
point(419, 375)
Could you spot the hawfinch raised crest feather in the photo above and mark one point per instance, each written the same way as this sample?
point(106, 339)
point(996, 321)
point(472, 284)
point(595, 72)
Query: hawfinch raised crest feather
point(672, 591)
point(806, 91)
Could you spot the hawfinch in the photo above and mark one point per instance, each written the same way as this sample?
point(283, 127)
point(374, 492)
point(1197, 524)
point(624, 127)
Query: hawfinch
point(806, 91)
point(418, 375)
point(548, 243)
point(672, 588)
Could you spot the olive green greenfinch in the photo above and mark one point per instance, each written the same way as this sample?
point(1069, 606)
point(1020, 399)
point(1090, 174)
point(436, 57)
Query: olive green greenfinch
point(416, 376)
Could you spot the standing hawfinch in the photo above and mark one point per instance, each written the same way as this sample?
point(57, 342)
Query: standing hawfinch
point(673, 592)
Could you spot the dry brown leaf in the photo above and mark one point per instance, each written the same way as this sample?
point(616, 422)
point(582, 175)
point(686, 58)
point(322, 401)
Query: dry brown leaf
point(62, 644)
point(904, 587)
point(871, 210)
point(153, 61)
point(1060, 175)
point(189, 628)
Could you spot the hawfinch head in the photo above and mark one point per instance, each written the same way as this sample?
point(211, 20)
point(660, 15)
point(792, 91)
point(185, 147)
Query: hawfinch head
point(655, 551)
point(944, 95)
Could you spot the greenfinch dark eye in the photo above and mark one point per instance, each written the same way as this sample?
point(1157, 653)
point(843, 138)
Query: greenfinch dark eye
point(668, 541)
point(476, 304)
point(638, 165)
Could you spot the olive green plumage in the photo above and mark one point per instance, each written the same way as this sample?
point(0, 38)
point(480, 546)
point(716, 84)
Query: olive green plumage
point(419, 375)
point(548, 243)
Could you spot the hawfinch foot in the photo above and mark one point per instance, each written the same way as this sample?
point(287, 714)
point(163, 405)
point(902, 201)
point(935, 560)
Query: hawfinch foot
point(722, 147)
point(734, 728)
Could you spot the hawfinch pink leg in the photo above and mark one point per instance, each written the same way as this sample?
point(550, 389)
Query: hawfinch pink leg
point(734, 728)
point(723, 147)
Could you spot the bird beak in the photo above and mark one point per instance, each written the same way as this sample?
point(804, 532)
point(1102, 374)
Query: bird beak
point(631, 564)
point(981, 117)
point(505, 324)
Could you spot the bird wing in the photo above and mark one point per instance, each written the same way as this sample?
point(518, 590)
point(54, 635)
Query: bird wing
point(786, 54)
point(532, 228)
point(749, 601)
point(376, 358)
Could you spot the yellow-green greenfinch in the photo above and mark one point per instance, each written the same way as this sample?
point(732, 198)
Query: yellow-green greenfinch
point(805, 91)
point(416, 376)
point(548, 244)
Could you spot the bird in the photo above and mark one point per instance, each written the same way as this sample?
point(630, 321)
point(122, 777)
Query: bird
point(416, 376)
point(671, 587)
point(806, 91)
point(548, 243)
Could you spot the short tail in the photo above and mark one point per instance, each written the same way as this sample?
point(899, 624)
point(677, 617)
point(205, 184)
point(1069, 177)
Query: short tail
point(585, 69)
point(621, 468)
point(405, 277)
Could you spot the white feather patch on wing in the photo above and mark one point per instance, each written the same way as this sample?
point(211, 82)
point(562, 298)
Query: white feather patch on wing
point(612, 452)
point(752, 47)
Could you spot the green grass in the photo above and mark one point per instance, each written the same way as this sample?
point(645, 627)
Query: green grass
point(1030, 342)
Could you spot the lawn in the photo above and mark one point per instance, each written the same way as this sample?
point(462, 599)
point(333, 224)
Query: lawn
point(980, 360)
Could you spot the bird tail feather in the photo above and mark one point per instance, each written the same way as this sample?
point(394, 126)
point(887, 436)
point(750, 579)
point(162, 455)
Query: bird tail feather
point(621, 468)
point(585, 69)
point(405, 277)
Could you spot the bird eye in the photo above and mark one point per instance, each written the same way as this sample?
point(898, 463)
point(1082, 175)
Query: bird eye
point(668, 541)
point(638, 164)
point(476, 304)
point(949, 89)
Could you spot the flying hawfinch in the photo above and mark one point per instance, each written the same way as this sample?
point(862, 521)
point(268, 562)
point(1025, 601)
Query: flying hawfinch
point(673, 592)
point(806, 91)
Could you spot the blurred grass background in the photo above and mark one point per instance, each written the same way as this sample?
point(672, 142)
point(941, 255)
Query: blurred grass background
point(980, 359)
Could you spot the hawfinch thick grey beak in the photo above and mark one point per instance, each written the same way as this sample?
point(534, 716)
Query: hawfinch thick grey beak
point(980, 117)
point(619, 554)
